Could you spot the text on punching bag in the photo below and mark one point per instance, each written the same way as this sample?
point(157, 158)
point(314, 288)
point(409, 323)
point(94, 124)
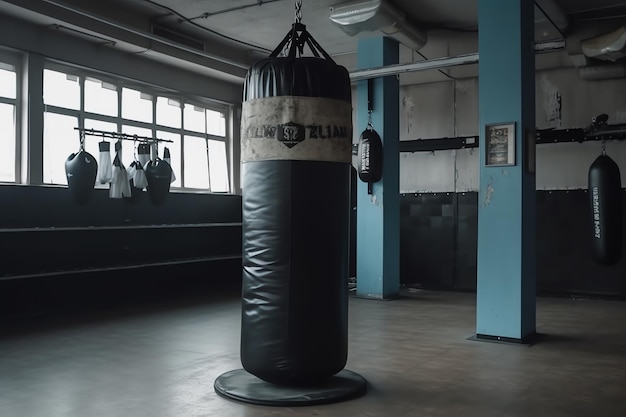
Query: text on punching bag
point(365, 158)
point(596, 212)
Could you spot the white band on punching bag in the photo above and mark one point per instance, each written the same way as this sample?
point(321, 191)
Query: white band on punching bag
point(296, 128)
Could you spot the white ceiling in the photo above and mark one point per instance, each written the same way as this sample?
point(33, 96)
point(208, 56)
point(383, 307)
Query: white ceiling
point(241, 31)
point(263, 23)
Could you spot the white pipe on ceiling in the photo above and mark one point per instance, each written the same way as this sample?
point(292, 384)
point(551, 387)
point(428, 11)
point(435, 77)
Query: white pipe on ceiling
point(414, 66)
point(438, 63)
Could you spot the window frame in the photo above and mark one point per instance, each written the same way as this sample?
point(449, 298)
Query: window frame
point(154, 92)
point(14, 59)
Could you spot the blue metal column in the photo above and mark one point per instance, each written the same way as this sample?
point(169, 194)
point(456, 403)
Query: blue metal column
point(378, 214)
point(506, 206)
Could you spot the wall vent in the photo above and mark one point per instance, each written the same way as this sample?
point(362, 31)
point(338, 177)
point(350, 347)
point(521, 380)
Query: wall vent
point(178, 37)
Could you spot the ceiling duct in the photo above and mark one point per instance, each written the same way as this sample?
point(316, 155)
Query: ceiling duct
point(608, 47)
point(357, 16)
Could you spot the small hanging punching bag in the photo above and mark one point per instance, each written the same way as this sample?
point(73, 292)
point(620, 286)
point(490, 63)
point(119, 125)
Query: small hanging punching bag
point(80, 170)
point(158, 175)
point(296, 135)
point(605, 201)
point(370, 158)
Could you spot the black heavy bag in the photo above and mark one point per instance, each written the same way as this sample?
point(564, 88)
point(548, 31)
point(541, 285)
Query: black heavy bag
point(158, 175)
point(605, 199)
point(296, 157)
point(81, 169)
point(370, 157)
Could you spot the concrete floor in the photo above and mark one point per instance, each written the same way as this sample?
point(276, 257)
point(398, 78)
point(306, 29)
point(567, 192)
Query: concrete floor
point(161, 359)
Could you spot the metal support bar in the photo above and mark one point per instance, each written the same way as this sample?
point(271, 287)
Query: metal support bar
point(437, 63)
point(120, 136)
point(424, 145)
point(414, 66)
point(548, 136)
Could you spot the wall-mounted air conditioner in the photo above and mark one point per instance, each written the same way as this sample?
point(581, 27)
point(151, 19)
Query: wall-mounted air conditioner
point(358, 16)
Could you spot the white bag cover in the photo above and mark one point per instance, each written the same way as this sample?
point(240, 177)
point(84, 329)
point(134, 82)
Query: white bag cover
point(120, 185)
point(167, 158)
point(132, 170)
point(143, 154)
point(104, 163)
point(115, 189)
point(140, 181)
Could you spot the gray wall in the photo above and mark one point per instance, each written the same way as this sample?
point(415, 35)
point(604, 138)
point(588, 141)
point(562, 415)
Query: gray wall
point(449, 108)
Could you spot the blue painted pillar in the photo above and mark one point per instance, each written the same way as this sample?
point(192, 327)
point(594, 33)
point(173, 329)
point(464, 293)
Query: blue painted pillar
point(378, 214)
point(506, 206)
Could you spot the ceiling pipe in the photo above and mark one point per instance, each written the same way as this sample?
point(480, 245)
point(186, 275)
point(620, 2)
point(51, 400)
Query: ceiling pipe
point(414, 66)
point(438, 63)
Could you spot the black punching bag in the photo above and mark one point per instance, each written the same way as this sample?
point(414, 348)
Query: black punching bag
point(158, 175)
point(370, 158)
point(605, 199)
point(296, 135)
point(81, 169)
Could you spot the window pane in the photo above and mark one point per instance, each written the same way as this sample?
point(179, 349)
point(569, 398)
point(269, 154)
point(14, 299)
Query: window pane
point(136, 105)
point(60, 89)
point(194, 118)
point(100, 98)
point(8, 84)
point(169, 112)
point(174, 148)
point(218, 166)
point(196, 169)
point(129, 149)
point(215, 123)
point(59, 141)
point(7, 142)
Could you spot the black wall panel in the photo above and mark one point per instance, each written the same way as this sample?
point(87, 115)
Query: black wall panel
point(43, 231)
point(466, 241)
point(427, 240)
point(564, 257)
point(438, 251)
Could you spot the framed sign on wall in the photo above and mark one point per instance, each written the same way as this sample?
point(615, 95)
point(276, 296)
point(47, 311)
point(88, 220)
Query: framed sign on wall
point(500, 144)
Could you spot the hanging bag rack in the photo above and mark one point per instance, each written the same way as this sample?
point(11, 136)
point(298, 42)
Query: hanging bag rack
point(116, 135)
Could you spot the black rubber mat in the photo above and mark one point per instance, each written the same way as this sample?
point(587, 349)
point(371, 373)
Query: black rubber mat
point(242, 386)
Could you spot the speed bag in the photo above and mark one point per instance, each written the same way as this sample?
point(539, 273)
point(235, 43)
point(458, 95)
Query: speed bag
point(605, 200)
point(370, 156)
point(296, 135)
point(81, 169)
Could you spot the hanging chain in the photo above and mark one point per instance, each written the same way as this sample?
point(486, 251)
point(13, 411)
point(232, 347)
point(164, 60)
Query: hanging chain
point(82, 140)
point(298, 11)
point(603, 147)
point(370, 126)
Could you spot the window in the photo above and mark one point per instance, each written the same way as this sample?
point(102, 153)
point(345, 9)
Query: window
point(7, 142)
point(136, 105)
point(194, 118)
point(215, 123)
point(168, 112)
point(196, 134)
point(60, 140)
point(218, 166)
point(61, 89)
point(100, 97)
point(205, 156)
point(8, 121)
point(175, 154)
point(8, 81)
point(196, 166)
